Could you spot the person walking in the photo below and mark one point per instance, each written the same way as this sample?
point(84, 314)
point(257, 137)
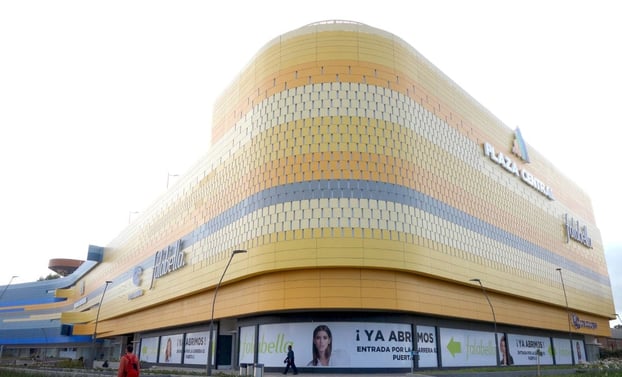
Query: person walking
point(289, 360)
point(129, 366)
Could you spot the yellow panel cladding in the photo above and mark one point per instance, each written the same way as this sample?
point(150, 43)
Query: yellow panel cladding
point(369, 289)
point(397, 44)
point(441, 159)
point(65, 292)
point(463, 186)
point(78, 317)
point(38, 317)
point(84, 329)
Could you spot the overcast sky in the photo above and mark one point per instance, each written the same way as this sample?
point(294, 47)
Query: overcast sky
point(101, 100)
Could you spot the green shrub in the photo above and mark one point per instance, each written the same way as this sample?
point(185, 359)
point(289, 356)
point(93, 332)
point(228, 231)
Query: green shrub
point(70, 363)
point(610, 354)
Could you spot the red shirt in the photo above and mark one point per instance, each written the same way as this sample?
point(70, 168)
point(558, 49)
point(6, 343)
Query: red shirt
point(125, 360)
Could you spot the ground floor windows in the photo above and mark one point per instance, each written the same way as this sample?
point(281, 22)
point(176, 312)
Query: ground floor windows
point(401, 342)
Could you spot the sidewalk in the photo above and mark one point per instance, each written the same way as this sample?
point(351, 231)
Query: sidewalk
point(302, 374)
point(463, 372)
point(427, 373)
point(441, 373)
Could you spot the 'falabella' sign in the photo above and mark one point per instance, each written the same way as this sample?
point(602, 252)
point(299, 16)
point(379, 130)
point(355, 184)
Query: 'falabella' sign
point(576, 232)
point(167, 260)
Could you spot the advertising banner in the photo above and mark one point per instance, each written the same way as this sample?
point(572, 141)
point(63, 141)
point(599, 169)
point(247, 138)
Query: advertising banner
point(337, 344)
point(579, 351)
point(561, 347)
point(149, 350)
point(195, 351)
point(530, 350)
point(171, 348)
point(247, 344)
point(467, 348)
point(426, 346)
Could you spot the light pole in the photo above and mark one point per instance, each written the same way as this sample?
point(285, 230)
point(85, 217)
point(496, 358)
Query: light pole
point(129, 217)
point(7, 286)
point(567, 313)
point(211, 322)
point(2, 295)
point(43, 350)
point(45, 346)
point(616, 315)
point(101, 300)
point(168, 177)
point(494, 318)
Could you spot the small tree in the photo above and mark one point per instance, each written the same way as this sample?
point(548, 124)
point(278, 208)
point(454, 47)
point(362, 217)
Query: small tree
point(49, 277)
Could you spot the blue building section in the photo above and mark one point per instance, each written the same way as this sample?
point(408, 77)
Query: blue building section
point(26, 321)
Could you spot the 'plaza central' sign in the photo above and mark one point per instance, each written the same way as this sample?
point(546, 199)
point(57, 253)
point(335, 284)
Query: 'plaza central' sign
point(509, 165)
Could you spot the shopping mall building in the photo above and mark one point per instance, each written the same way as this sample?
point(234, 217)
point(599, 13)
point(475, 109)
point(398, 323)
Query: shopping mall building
point(371, 195)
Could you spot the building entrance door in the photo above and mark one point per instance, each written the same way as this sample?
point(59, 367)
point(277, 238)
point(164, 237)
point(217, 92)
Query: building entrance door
point(223, 353)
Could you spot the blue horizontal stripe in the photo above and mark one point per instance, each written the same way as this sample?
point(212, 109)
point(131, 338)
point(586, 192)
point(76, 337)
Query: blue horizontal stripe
point(31, 301)
point(16, 339)
point(360, 189)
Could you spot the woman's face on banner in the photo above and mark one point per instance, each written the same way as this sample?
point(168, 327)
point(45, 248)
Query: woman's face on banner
point(321, 341)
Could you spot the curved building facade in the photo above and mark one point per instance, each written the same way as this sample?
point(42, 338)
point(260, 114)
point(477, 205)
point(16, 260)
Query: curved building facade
point(372, 195)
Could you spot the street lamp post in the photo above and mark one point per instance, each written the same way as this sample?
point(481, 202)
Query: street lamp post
point(7, 286)
point(45, 346)
point(101, 300)
point(43, 349)
point(168, 178)
point(567, 313)
point(616, 315)
point(2, 295)
point(211, 322)
point(129, 217)
point(494, 318)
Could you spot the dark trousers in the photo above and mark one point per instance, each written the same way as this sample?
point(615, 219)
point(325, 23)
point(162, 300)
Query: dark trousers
point(293, 365)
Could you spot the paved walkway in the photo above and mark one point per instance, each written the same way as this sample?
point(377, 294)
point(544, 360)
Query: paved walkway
point(314, 374)
point(440, 373)
point(428, 373)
